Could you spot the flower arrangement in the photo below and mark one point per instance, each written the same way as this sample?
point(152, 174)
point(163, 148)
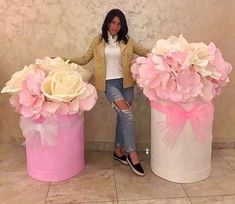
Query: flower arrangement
point(179, 71)
point(50, 87)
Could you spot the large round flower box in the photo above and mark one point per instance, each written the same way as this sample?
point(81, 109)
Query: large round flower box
point(181, 141)
point(51, 96)
point(60, 157)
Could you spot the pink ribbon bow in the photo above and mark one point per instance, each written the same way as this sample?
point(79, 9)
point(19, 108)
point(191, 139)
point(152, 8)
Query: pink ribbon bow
point(200, 115)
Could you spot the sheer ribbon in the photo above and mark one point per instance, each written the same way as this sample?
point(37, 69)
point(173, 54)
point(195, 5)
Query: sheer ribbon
point(200, 115)
point(44, 129)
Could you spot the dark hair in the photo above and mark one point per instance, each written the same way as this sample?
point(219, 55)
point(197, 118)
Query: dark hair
point(122, 34)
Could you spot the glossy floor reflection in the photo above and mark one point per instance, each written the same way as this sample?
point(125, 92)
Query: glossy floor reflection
point(107, 181)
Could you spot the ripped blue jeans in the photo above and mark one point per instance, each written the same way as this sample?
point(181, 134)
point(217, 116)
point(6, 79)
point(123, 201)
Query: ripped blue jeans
point(125, 122)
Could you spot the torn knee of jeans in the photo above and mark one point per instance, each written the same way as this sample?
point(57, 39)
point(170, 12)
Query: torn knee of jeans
point(117, 108)
point(126, 110)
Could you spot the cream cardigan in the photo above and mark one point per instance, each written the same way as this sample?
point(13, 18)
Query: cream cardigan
point(96, 51)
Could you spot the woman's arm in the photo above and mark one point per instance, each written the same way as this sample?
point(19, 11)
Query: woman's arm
point(139, 49)
point(87, 57)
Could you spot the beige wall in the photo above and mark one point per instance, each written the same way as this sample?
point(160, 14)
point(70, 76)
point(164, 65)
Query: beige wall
point(32, 29)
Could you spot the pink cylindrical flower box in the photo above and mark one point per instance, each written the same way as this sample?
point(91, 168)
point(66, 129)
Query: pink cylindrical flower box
point(62, 160)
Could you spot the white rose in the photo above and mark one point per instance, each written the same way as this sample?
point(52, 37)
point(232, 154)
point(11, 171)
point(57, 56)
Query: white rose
point(85, 74)
point(173, 43)
point(200, 59)
point(49, 64)
point(200, 54)
point(14, 84)
point(63, 85)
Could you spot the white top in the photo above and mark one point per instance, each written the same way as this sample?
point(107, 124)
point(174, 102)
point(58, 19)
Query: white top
point(113, 58)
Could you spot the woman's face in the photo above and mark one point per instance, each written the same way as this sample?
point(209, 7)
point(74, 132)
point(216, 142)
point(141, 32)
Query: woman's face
point(115, 26)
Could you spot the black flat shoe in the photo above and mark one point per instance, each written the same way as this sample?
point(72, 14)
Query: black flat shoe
point(122, 159)
point(136, 168)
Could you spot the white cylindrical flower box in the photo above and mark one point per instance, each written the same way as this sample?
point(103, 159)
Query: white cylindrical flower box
point(188, 158)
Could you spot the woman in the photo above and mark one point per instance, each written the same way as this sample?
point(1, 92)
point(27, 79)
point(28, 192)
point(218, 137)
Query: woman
point(113, 52)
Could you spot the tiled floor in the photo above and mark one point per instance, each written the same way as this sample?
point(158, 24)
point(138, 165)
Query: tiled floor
point(107, 181)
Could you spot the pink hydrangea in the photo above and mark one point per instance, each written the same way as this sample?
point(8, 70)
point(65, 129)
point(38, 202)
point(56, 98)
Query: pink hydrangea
point(89, 99)
point(30, 98)
point(218, 63)
point(171, 75)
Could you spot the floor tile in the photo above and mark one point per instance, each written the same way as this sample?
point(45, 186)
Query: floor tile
point(132, 187)
point(112, 202)
point(220, 182)
point(100, 159)
point(92, 185)
point(17, 188)
point(229, 156)
point(104, 159)
point(14, 159)
point(213, 200)
point(158, 201)
point(103, 179)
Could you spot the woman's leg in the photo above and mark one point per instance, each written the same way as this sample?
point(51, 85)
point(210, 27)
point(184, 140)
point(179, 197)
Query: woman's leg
point(113, 93)
point(121, 100)
point(128, 95)
point(119, 140)
point(127, 125)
